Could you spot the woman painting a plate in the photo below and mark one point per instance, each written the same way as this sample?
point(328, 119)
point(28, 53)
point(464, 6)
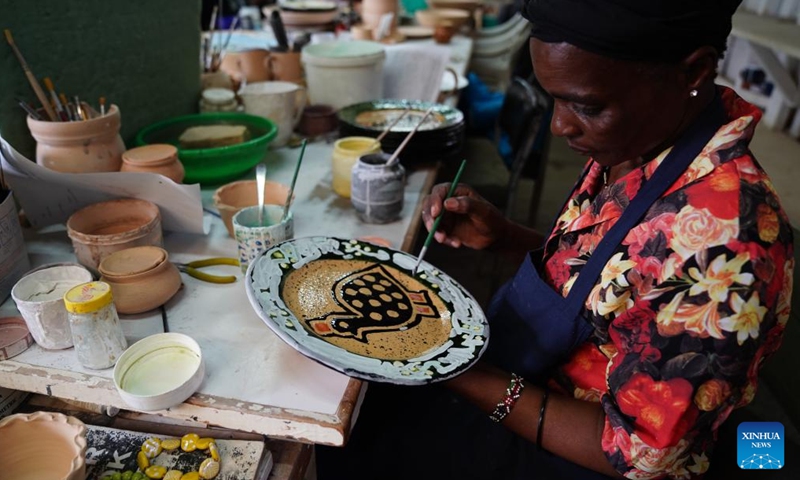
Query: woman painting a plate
point(639, 322)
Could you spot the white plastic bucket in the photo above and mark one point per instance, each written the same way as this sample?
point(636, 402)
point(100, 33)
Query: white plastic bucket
point(40, 299)
point(342, 73)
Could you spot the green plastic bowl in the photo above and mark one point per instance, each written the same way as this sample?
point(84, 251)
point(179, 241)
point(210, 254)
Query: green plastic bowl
point(213, 166)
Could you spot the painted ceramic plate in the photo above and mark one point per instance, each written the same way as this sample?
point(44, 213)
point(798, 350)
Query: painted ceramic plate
point(379, 114)
point(416, 31)
point(354, 306)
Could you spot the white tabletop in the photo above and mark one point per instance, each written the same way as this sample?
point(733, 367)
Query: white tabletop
point(254, 382)
point(781, 35)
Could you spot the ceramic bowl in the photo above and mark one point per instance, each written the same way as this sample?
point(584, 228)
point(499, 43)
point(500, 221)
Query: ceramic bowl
point(231, 198)
point(433, 16)
point(39, 296)
point(42, 445)
point(103, 228)
point(159, 371)
point(141, 278)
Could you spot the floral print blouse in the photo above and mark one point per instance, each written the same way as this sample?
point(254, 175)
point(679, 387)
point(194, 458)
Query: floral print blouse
point(694, 299)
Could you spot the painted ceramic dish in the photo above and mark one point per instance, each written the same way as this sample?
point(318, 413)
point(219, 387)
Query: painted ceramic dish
point(354, 306)
point(377, 115)
point(440, 138)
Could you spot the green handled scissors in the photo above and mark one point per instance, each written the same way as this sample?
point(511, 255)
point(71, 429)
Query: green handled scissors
point(191, 269)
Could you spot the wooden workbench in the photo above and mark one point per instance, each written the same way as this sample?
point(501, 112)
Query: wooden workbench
point(254, 382)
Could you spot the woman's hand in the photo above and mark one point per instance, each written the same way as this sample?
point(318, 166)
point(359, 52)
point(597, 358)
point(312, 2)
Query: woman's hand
point(468, 220)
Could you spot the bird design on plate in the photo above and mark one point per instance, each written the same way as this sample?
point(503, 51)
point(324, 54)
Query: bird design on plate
point(372, 301)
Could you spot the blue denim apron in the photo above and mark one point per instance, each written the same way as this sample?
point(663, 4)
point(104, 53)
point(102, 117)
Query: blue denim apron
point(534, 328)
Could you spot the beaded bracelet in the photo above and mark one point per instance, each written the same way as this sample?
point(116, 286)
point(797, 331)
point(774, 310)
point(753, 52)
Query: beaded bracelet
point(510, 398)
point(540, 423)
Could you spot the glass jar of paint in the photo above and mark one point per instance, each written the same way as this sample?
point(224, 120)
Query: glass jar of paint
point(377, 188)
point(96, 330)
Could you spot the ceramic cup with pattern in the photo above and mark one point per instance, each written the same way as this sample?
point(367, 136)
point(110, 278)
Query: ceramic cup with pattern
point(253, 239)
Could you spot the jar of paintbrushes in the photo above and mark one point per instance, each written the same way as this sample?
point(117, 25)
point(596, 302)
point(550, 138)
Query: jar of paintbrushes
point(87, 143)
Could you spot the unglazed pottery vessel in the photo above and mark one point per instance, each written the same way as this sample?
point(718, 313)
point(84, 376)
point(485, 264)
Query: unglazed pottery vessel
point(88, 146)
point(141, 278)
point(39, 296)
point(234, 196)
point(107, 227)
point(247, 65)
point(317, 120)
point(158, 158)
point(42, 446)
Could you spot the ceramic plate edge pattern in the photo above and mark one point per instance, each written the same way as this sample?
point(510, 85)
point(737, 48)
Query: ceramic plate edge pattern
point(453, 116)
point(446, 361)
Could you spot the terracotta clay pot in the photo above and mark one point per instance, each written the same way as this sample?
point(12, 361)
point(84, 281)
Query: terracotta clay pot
point(89, 146)
point(158, 158)
point(141, 278)
point(42, 445)
point(231, 198)
point(103, 228)
point(317, 120)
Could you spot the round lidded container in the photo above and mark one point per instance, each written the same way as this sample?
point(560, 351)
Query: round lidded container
point(159, 371)
point(218, 100)
point(96, 331)
point(141, 278)
point(377, 189)
point(346, 152)
point(159, 158)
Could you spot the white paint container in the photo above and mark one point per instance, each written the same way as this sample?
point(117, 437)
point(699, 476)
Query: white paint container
point(159, 371)
point(39, 296)
point(343, 73)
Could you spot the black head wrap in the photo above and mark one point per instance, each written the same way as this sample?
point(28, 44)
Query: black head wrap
point(638, 30)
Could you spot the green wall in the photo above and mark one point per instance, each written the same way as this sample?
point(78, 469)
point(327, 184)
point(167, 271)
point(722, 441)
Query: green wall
point(142, 55)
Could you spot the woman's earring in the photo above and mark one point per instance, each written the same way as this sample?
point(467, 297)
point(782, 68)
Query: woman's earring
point(693, 93)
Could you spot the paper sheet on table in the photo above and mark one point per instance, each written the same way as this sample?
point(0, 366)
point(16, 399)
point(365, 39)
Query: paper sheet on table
point(49, 197)
point(414, 72)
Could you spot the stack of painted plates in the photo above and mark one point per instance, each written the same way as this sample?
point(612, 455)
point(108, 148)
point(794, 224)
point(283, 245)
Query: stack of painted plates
point(441, 137)
point(308, 15)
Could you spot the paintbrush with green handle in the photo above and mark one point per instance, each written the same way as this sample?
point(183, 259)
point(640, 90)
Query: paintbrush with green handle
point(439, 218)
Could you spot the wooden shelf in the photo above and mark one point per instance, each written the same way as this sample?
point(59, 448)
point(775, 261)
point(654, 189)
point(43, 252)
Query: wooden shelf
point(770, 32)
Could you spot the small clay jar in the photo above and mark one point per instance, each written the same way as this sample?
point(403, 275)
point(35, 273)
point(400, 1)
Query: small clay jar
point(443, 32)
point(317, 120)
point(88, 146)
point(158, 158)
point(141, 278)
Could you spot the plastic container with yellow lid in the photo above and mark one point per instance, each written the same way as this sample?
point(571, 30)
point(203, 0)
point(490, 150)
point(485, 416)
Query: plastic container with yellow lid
point(96, 331)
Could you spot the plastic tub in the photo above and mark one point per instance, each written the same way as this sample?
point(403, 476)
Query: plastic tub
point(159, 371)
point(342, 73)
point(39, 296)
